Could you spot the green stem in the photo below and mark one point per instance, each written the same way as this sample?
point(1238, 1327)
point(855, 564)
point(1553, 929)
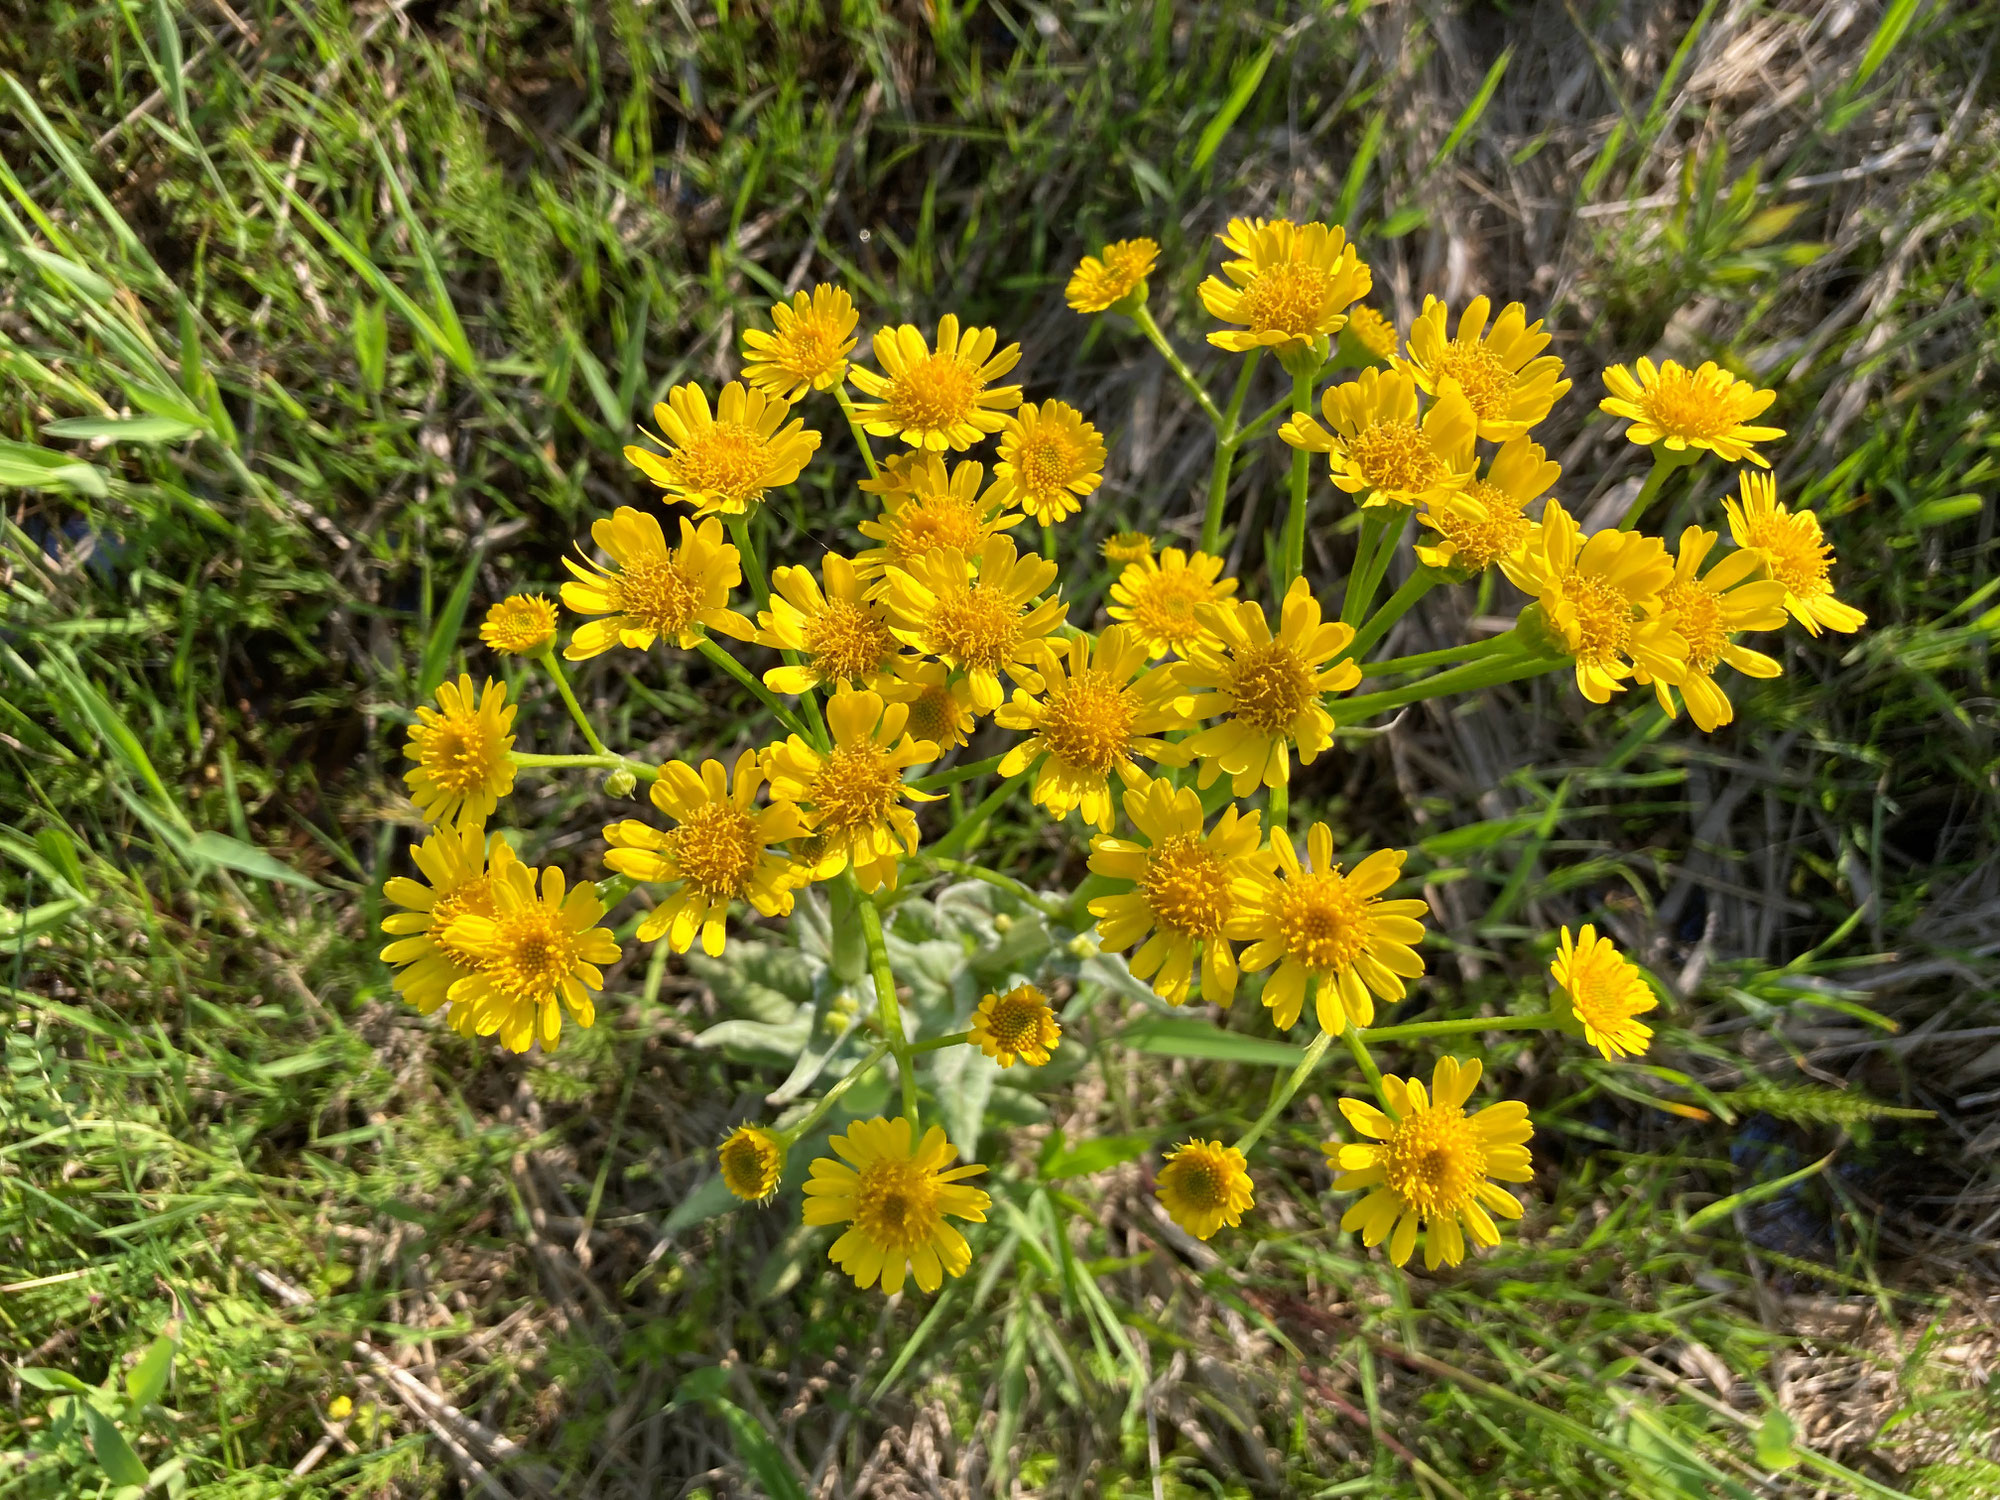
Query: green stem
point(1485, 673)
point(1397, 605)
point(962, 831)
point(753, 566)
point(937, 781)
point(547, 657)
point(939, 1043)
point(1381, 528)
point(1143, 316)
point(614, 889)
point(1664, 463)
point(1048, 541)
point(1284, 1095)
point(1228, 440)
point(1277, 804)
point(1423, 661)
point(854, 426)
point(1264, 419)
point(604, 762)
point(888, 1009)
point(1365, 1062)
point(742, 674)
point(831, 1097)
point(1292, 552)
point(1054, 910)
point(1542, 1020)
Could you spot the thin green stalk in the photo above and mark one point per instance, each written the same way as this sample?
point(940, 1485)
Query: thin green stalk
point(854, 426)
point(1284, 1095)
point(604, 762)
point(1277, 804)
point(937, 781)
point(1292, 552)
point(831, 1097)
point(1381, 529)
point(1051, 909)
point(1541, 1020)
point(547, 657)
point(888, 1010)
point(742, 674)
point(1664, 463)
point(1228, 441)
point(1423, 661)
point(1393, 609)
point(939, 1043)
point(1048, 541)
point(753, 565)
point(961, 832)
point(1364, 1061)
point(1485, 673)
point(1143, 316)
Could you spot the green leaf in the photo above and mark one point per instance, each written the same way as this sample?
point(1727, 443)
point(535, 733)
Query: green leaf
point(371, 343)
point(709, 1201)
point(1241, 90)
point(1774, 1442)
point(122, 429)
point(759, 1454)
point(1469, 117)
point(1948, 508)
point(26, 466)
point(445, 630)
point(114, 1455)
point(1163, 1036)
point(1094, 1155)
point(247, 859)
point(51, 1380)
point(1723, 1208)
point(37, 919)
point(146, 1381)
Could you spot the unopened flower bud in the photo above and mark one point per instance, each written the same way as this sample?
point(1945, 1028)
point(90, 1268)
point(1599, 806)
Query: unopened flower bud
point(621, 783)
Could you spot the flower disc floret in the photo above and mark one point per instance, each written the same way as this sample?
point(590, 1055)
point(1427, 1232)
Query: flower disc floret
point(1705, 408)
point(1019, 1026)
point(520, 626)
point(537, 954)
point(1383, 447)
point(977, 619)
point(653, 590)
point(752, 1162)
point(808, 347)
point(1050, 458)
point(1204, 1185)
point(895, 1201)
point(1794, 551)
point(722, 462)
point(1372, 333)
point(457, 879)
point(937, 400)
point(461, 749)
point(1162, 599)
point(1287, 285)
point(854, 797)
point(1506, 379)
point(1603, 991)
point(1113, 275)
point(940, 704)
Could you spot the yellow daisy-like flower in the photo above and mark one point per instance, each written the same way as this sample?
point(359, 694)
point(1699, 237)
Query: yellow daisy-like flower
point(1266, 689)
point(1600, 602)
point(653, 590)
point(1604, 991)
point(1162, 599)
point(1682, 408)
point(1203, 1186)
point(1090, 720)
point(752, 1160)
point(1508, 386)
point(982, 625)
point(537, 953)
point(1372, 333)
point(457, 878)
point(927, 508)
point(519, 626)
point(461, 748)
point(1428, 1163)
point(1335, 930)
point(1102, 281)
point(843, 636)
point(1488, 519)
point(853, 799)
point(1049, 459)
point(1380, 449)
point(1124, 547)
point(894, 1201)
point(722, 462)
point(1019, 1026)
point(1706, 612)
point(1795, 551)
point(1190, 890)
point(1292, 283)
point(940, 704)
point(939, 400)
point(719, 851)
point(808, 349)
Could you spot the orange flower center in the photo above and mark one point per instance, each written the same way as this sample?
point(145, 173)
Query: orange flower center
point(751, 1165)
point(1483, 541)
point(936, 521)
point(935, 394)
point(975, 627)
point(1433, 1160)
point(1271, 686)
point(1164, 605)
point(847, 642)
point(1087, 722)
point(728, 459)
point(934, 717)
point(1796, 551)
point(895, 1205)
point(715, 848)
point(1187, 887)
point(1016, 1019)
point(532, 954)
point(475, 897)
point(459, 754)
point(1395, 456)
point(1046, 463)
point(1289, 297)
point(1321, 922)
point(657, 594)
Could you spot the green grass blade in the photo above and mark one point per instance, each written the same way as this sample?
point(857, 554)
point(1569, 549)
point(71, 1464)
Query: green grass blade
point(1241, 91)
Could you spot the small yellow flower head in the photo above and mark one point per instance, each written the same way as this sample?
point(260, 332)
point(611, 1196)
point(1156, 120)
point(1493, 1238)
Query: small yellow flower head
point(1334, 929)
point(1203, 1186)
point(1508, 387)
point(1380, 449)
point(843, 636)
point(927, 508)
point(723, 463)
point(537, 953)
point(1428, 1163)
point(1707, 612)
point(894, 1201)
point(1794, 550)
point(808, 351)
point(520, 626)
point(940, 704)
point(653, 590)
point(1488, 519)
point(1604, 991)
point(1114, 275)
point(980, 625)
point(1049, 459)
point(753, 1162)
point(1291, 282)
point(1162, 599)
point(1600, 600)
point(1189, 890)
point(1089, 721)
point(719, 851)
point(461, 748)
point(939, 400)
point(1373, 334)
point(1266, 689)
point(1018, 1026)
point(1125, 547)
point(1682, 408)
point(457, 879)
point(854, 798)
point(340, 1408)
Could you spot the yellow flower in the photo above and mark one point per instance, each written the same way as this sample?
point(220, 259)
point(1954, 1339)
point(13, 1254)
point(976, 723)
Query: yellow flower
point(1600, 602)
point(1090, 720)
point(1189, 890)
point(1604, 991)
point(1379, 449)
point(651, 589)
point(1374, 334)
point(843, 636)
point(1293, 283)
point(940, 704)
point(808, 351)
point(1488, 519)
point(894, 1201)
point(461, 750)
point(520, 626)
point(1049, 458)
point(1266, 689)
point(1018, 1026)
point(723, 463)
point(1203, 1186)
point(535, 950)
point(457, 878)
point(937, 400)
point(1102, 281)
point(1434, 1165)
point(1682, 408)
point(983, 625)
point(1162, 599)
point(1706, 612)
point(1123, 547)
point(752, 1160)
point(1334, 929)
point(718, 851)
point(853, 799)
point(1508, 387)
point(927, 509)
point(1795, 551)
